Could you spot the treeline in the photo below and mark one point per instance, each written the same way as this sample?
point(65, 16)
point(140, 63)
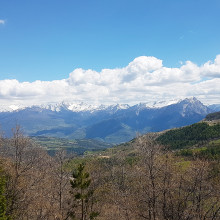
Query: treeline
point(189, 135)
point(142, 182)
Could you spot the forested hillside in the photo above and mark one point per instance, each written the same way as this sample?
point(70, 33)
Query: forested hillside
point(190, 135)
point(213, 116)
point(141, 179)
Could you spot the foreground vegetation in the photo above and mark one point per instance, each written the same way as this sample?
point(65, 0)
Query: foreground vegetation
point(139, 180)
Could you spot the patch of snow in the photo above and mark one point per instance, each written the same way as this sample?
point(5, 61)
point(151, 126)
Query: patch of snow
point(10, 108)
point(78, 107)
point(160, 104)
point(81, 106)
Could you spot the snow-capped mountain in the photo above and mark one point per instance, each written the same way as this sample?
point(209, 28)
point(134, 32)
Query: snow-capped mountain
point(83, 107)
point(160, 104)
point(74, 107)
point(11, 108)
point(113, 123)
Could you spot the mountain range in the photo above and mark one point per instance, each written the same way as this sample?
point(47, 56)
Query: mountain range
point(112, 124)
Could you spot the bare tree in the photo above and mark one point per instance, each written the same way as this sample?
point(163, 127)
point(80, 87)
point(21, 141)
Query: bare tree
point(61, 181)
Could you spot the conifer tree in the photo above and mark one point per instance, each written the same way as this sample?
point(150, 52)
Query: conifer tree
point(82, 195)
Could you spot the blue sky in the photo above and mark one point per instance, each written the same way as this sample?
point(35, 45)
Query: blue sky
point(48, 39)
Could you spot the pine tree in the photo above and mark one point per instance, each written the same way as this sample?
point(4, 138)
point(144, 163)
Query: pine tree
point(82, 195)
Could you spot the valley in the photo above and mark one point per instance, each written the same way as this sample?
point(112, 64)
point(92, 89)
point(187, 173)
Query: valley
point(109, 110)
point(177, 168)
point(76, 146)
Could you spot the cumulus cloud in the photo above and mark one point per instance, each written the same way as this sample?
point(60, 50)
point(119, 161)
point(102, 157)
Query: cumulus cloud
point(2, 21)
point(211, 69)
point(145, 79)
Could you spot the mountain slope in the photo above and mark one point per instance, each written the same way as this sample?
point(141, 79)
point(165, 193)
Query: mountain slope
point(113, 124)
point(213, 116)
point(190, 135)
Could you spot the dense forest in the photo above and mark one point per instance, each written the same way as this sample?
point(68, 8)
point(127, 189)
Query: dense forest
point(198, 133)
point(148, 178)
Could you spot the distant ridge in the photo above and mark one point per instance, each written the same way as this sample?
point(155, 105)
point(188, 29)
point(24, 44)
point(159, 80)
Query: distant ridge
point(213, 116)
point(83, 107)
point(112, 124)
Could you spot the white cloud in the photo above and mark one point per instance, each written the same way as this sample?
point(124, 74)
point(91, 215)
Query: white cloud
point(2, 21)
point(211, 69)
point(145, 79)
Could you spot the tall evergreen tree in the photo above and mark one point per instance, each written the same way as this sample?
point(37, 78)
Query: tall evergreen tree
point(80, 182)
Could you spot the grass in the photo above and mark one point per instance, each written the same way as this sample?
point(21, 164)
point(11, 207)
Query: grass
point(52, 144)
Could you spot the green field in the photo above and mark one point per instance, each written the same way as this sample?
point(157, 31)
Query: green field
point(76, 146)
